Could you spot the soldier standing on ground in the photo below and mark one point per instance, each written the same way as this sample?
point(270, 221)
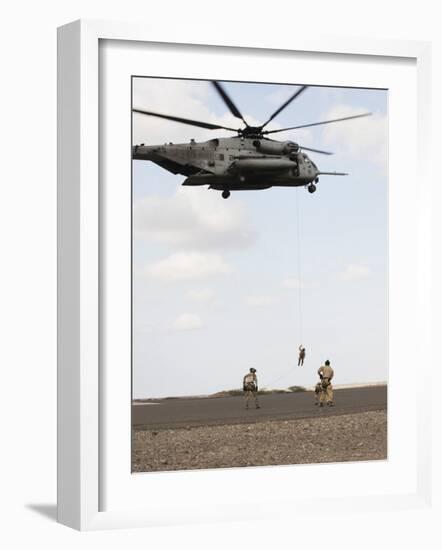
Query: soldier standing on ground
point(250, 387)
point(326, 375)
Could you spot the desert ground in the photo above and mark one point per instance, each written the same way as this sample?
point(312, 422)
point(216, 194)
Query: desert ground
point(217, 432)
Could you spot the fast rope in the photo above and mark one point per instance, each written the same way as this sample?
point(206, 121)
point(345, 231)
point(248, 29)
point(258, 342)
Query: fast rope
point(270, 384)
point(298, 231)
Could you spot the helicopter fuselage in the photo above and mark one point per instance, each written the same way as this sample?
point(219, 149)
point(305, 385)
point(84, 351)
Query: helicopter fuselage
point(236, 163)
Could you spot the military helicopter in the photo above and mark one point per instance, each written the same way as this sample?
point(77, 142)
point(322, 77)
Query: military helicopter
point(248, 161)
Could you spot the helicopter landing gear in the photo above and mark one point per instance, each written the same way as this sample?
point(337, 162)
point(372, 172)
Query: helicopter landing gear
point(225, 194)
point(311, 188)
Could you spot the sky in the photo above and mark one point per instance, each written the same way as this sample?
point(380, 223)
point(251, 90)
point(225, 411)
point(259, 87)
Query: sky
point(220, 286)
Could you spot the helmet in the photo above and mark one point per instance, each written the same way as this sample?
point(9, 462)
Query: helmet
point(327, 362)
point(252, 370)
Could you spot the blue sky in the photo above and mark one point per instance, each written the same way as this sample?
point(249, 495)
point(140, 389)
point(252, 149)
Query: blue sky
point(216, 282)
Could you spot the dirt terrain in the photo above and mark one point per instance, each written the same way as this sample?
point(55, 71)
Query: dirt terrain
point(346, 437)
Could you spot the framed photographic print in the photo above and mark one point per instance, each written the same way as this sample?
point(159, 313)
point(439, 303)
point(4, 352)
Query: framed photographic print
point(238, 228)
point(237, 304)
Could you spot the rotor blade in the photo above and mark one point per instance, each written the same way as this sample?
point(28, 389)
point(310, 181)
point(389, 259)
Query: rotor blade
point(284, 105)
point(317, 123)
point(316, 150)
point(206, 125)
point(226, 98)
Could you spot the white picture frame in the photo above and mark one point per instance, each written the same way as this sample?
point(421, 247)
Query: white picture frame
point(81, 393)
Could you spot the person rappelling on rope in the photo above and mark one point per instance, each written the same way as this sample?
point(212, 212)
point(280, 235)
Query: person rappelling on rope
point(301, 356)
point(326, 375)
point(250, 387)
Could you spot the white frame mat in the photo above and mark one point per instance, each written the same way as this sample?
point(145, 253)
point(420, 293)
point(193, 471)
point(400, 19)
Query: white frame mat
point(97, 492)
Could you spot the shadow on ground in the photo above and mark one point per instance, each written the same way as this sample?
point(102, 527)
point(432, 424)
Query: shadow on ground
point(48, 511)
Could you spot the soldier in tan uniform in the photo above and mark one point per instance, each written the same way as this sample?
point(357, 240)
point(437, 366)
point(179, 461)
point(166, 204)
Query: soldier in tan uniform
point(250, 387)
point(326, 375)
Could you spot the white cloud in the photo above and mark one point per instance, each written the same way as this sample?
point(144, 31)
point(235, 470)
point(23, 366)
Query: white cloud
point(201, 295)
point(261, 301)
point(365, 138)
point(354, 272)
point(187, 321)
point(189, 99)
point(182, 98)
point(166, 96)
point(195, 218)
point(292, 283)
point(187, 266)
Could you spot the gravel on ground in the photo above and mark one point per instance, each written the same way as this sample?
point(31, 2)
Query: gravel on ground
point(348, 437)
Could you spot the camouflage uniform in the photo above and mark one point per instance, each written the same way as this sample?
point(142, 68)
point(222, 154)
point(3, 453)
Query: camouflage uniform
point(326, 374)
point(301, 356)
point(250, 387)
point(318, 391)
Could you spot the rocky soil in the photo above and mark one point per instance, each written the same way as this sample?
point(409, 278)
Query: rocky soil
point(361, 436)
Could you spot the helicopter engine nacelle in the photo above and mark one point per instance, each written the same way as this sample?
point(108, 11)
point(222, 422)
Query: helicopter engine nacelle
point(275, 147)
